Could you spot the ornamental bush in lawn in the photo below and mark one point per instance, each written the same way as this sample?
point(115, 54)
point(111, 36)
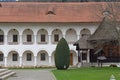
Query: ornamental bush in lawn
point(62, 55)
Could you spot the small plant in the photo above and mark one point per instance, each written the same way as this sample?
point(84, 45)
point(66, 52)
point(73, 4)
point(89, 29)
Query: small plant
point(113, 65)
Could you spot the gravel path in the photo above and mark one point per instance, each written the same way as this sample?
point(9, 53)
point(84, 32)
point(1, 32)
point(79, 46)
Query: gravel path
point(32, 75)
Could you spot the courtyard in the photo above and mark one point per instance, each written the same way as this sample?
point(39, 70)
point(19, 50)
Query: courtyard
point(92, 73)
point(87, 74)
point(32, 74)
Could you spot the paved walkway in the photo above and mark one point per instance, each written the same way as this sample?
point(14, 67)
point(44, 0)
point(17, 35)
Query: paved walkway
point(32, 75)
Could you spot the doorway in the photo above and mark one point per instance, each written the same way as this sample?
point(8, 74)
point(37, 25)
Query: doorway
point(71, 58)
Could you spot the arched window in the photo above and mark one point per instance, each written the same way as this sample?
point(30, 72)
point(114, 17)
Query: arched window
point(43, 56)
point(1, 57)
point(15, 57)
point(85, 32)
point(29, 57)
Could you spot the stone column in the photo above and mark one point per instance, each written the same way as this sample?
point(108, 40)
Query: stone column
point(78, 37)
point(49, 39)
point(20, 36)
point(5, 64)
point(50, 61)
point(5, 40)
point(35, 60)
point(20, 61)
point(35, 39)
point(88, 56)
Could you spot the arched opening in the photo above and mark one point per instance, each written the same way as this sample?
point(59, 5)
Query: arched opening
point(53, 58)
point(56, 35)
point(42, 36)
point(28, 36)
point(73, 58)
point(42, 58)
point(28, 59)
point(71, 36)
point(13, 59)
point(13, 36)
point(1, 36)
point(85, 32)
point(1, 59)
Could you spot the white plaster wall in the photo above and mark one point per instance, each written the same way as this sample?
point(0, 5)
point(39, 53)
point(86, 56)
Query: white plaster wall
point(35, 48)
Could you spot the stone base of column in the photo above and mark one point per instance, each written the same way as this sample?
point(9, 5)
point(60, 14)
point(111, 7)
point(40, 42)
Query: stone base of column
point(79, 64)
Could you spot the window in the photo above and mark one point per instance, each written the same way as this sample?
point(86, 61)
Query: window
point(43, 56)
point(15, 57)
point(56, 37)
point(1, 38)
point(29, 38)
point(15, 38)
point(29, 57)
point(42, 37)
point(1, 57)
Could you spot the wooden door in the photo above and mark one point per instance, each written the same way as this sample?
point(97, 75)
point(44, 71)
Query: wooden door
point(71, 58)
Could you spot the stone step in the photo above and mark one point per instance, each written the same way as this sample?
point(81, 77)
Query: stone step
point(5, 73)
point(85, 65)
point(2, 70)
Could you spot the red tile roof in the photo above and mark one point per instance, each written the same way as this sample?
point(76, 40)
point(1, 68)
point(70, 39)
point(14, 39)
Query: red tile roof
point(49, 12)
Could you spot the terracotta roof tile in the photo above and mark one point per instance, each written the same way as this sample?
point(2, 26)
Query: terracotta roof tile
point(38, 12)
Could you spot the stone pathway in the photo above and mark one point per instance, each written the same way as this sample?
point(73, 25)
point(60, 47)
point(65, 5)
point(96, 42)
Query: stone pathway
point(32, 75)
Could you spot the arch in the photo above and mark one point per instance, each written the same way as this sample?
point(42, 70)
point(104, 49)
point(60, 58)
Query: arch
point(13, 36)
point(1, 36)
point(1, 58)
point(28, 36)
point(56, 35)
point(42, 58)
point(42, 36)
point(13, 58)
point(85, 32)
point(73, 57)
point(28, 58)
point(71, 35)
point(1, 32)
point(53, 58)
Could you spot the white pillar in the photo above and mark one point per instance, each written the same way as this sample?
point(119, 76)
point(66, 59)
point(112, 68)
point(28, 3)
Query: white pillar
point(49, 39)
point(5, 64)
point(35, 39)
point(50, 61)
point(78, 37)
point(35, 60)
point(63, 34)
point(20, 36)
point(5, 40)
point(88, 56)
point(20, 61)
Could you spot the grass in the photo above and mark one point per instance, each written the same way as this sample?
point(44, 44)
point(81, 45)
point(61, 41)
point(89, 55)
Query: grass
point(87, 74)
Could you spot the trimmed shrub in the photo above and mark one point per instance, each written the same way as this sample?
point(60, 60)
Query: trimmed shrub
point(62, 55)
point(113, 65)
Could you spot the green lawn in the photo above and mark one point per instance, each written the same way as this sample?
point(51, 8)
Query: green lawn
point(87, 74)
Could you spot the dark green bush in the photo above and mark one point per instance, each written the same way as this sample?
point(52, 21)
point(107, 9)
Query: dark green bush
point(113, 65)
point(62, 55)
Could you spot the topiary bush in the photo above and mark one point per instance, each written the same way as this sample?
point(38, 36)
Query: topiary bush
point(113, 65)
point(62, 55)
